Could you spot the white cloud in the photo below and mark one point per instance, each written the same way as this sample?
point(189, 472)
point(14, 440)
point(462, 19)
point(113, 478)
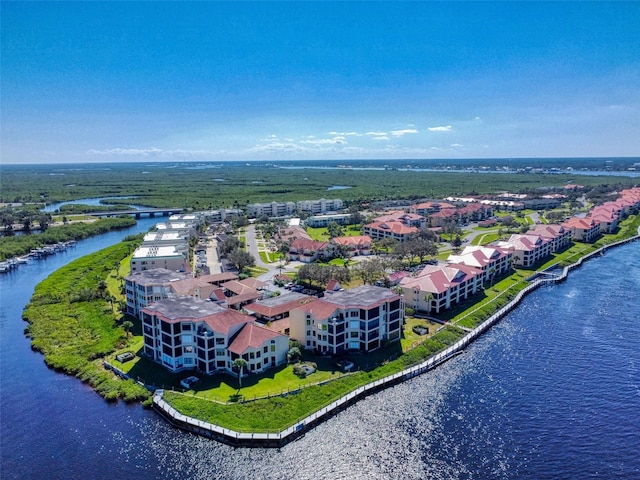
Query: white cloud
point(400, 133)
point(380, 137)
point(457, 145)
point(277, 147)
point(338, 140)
point(446, 128)
point(376, 134)
point(345, 134)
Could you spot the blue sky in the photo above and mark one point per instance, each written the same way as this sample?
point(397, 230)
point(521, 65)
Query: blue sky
point(129, 81)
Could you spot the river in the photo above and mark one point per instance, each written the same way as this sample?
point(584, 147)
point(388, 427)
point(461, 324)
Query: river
point(552, 391)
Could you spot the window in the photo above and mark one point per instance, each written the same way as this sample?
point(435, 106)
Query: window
point(273, 348)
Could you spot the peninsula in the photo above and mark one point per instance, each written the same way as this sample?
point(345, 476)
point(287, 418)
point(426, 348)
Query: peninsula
point(252, 319)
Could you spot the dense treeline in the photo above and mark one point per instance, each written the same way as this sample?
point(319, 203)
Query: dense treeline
point(20, 245)
point(72, 321)
point(233, 184)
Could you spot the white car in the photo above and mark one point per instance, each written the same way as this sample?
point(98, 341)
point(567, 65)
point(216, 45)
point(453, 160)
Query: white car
point(189, 381)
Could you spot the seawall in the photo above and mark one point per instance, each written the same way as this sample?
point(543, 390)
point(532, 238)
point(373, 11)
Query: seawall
point(278, 439)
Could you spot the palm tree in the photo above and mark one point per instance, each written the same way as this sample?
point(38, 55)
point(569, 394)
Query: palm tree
point(128, 325)
point(428, 298)
point(239, 363)
point(111, 299)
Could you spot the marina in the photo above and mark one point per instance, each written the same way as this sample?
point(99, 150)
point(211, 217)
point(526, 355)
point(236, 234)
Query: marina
point(34, 254)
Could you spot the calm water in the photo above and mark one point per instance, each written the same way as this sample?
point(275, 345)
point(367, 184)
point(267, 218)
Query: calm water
point(553, 391)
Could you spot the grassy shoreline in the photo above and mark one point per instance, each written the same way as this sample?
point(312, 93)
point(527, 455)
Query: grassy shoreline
point(72, 321)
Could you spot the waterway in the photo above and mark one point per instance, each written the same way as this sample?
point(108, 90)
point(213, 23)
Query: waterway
point(552, 391)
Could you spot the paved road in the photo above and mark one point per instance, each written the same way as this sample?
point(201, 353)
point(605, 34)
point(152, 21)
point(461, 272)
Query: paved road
point(252, 246)
point(213, 262)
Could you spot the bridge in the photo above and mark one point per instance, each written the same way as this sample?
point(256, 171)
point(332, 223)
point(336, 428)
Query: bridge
point(150, 212)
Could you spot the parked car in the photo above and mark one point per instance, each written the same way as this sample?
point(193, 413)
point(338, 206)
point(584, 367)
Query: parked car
point(189, 382)
point(125, 357)
point(345, 365)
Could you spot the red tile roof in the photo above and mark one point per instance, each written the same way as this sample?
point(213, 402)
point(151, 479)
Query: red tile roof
point(439, 279)
point(272, 307)
point(251, 336)
point(357, 241)
point(254, 283)
point(304, 244)
point(579, 223)
point(218, 277)
point(237, 287)
point(394, 227)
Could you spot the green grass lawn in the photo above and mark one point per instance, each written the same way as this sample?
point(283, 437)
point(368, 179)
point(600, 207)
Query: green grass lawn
point(486, 238)
point(278, 412)
point(410, 339)
point(318, 234)
point(257, 271)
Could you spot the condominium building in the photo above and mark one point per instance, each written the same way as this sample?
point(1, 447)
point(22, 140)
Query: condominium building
point(320, 206)
point(395, 230)
point(583, 229)
point(147, 257)
point(437, 288)
point(493, 261)
point(272, 209)
point(528, 249)
point(147, 286)
point(360, 319)
point(183, 333)
point(559, 236)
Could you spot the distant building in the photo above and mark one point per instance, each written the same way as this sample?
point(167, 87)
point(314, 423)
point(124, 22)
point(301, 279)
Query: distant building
point(147, 257)
point(355, 245)
point(273, 209)
point(583, 229)
point(320, 206)
point(317, 221)
point(395, 230)
point(307, 251)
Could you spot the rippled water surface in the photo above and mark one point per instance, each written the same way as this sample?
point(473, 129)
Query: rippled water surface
point(553, 391)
